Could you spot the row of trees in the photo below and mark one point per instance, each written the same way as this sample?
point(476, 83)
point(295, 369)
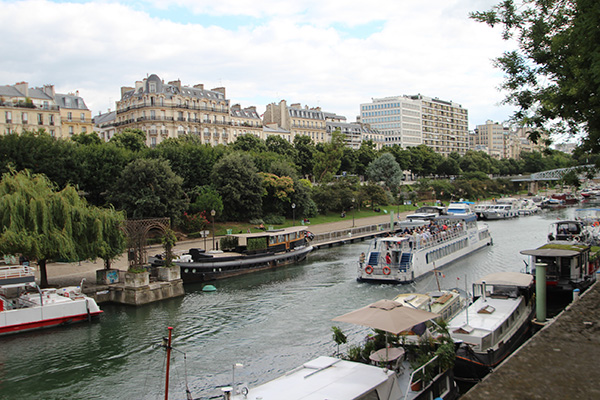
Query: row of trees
point(184, 179)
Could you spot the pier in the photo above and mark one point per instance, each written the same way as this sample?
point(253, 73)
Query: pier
point(559, 362)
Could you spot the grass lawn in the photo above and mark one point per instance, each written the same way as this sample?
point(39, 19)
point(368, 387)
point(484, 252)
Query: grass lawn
point(221, 228)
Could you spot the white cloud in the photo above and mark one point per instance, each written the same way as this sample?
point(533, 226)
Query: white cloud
point(325, 53)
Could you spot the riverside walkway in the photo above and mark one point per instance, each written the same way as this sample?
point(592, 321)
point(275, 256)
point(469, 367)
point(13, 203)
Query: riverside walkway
point(559, 362)
point(68, 274)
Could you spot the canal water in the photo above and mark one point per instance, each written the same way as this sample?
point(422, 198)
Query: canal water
point(270, 322)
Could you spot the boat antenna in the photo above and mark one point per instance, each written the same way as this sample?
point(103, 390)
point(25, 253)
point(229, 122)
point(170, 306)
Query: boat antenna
point(166, 343)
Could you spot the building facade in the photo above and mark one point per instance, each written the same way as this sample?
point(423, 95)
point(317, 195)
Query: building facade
point(29, 109)
point(502, 140)
point(298, 121)
point(245, 121)
point(410, 121)
point(171, 110)
point(355, 133)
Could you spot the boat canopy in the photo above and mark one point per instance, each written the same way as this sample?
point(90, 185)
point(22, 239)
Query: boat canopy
point(551, 252)
point(243, 237)
point(457, 217)
point(507, 279)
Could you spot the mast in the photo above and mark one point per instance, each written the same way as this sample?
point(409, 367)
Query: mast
point(168, 346)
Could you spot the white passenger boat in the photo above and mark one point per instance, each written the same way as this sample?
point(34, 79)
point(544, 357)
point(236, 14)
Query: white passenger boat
point(460, 208)
point(499, 211)
point(498, 321)
point(406, 257)
point(25, 307)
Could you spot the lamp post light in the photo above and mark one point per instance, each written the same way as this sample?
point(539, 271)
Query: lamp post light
point(293, 214)
point(212, 213)
point(353, 211)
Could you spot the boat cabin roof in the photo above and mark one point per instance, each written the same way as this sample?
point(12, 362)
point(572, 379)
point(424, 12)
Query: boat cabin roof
point(243, 237)
point(485, 316)
point(322, 378)
point(457, 217)
point(507, 279)
point(557, 249)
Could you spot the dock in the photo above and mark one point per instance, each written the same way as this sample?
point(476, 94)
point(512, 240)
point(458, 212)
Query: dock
point(558, 362)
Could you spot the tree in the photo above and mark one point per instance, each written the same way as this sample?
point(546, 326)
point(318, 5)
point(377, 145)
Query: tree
point(279, 145)
point(130, 139)
point(554, 75)
point(365, 154)
point(249, 142)
point(329, 159)
point(386, 169)
point(235, 178)
point(305, 152)
point(277, 194)
point(87, 138)
point(44, 224)
point(149, 188)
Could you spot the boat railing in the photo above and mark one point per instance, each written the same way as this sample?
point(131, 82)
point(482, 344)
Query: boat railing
point(440, 237)
point(417, 371)
point(16, 271)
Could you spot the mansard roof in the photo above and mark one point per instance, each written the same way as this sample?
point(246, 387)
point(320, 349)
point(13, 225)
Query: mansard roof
point(70, 101)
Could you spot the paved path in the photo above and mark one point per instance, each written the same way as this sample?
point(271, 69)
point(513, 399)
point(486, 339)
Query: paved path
point(67, 274)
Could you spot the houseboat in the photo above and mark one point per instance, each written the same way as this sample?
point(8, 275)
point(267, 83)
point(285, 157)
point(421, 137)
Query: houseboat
point(570, 265)
point(250, 252)
point(494, 325)
point(408, 256)
point(25, 307)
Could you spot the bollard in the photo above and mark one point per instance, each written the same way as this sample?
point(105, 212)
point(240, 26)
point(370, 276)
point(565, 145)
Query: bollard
point(576, 294)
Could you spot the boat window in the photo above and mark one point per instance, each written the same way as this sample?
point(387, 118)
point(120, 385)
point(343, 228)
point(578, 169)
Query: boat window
point(272, 240)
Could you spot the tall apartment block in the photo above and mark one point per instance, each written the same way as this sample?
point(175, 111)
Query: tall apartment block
point(171, 110)
point(502, 140)
point(413, 120)
point(28, 109)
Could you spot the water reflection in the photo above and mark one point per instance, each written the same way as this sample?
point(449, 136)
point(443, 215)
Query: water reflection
point(269, 321)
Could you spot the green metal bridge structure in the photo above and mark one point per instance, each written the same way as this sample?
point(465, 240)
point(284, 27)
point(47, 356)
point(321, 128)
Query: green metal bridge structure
point(584, 171)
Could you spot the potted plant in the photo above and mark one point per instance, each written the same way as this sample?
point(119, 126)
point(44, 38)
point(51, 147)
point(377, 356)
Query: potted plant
point(338, 337)
point(169, 271)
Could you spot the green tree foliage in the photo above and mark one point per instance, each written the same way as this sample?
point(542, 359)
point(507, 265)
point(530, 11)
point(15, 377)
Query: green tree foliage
point(39, 152)
point(148, 188)
point(372, 194)
point(386, 169)
point(99, 164)
point(335, 196)
point(44, 224)
point(305, 153)
point(131, 139)
point(279, 145)
point(249, 143)
point(349, 160)
point(365, 154)
point(448, 167)
point(189, 158)
point(87, 138)
point(555, 72)
point(204, 199)
point(277, 194)
point(328, 159)
point(235, 178)
point(423, 160)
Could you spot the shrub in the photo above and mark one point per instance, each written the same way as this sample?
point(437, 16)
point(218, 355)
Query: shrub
point(274, 219)
point(229, 243)
point(257, 243)
point(256, 221)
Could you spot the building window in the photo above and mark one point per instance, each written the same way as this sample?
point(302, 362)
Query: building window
point(71, 130)
point(69, 116)
point(82, 116)
point(24, 118)
point(51, 119)
point(152, 89)
point(8, 116)
point(83, 129)
point(40, 119)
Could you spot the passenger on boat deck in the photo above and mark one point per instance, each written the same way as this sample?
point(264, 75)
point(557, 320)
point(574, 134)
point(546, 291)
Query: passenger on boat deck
point(361, 259)
point(388, 258)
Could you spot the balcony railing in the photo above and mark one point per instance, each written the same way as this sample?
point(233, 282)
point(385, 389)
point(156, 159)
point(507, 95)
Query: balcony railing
point(187, 107)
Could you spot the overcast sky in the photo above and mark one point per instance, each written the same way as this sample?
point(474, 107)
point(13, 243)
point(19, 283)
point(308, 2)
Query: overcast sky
point(329, 53)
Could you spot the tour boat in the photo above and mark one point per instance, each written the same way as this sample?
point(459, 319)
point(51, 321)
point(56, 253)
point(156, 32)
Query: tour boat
point(459, 208)
point(499, 211)
point(570, 265)
point(25, 307)
point(406, 257)
point(253, 252)
point(494, 325)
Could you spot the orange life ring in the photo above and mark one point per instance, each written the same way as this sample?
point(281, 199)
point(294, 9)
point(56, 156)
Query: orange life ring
point(596, 223)
point(369, 269)
point(386, 270)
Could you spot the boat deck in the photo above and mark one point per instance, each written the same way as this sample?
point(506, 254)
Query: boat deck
point(560, 361)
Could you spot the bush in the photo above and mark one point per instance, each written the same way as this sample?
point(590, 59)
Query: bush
point(257, 243)
point(256, 221)
point(229, 243)
point(275, 219)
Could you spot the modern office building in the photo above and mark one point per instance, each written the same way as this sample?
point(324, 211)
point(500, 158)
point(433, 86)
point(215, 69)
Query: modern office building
point(23, 108)
point(410, 121)
point(169, 110)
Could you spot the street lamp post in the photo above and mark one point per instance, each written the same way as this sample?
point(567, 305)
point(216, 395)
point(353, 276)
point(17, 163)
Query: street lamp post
point(212, 213)
point(293, 214)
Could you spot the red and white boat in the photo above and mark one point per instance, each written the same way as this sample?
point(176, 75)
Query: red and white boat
point(25, 307)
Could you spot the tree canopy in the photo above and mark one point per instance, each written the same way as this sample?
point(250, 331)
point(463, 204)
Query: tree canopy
point(554, 75)
point(44, 224)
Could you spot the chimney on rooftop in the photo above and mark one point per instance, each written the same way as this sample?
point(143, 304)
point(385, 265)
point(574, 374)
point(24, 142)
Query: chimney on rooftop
point(23, 87)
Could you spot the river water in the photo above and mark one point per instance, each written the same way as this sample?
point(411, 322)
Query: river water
point(270, 322)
